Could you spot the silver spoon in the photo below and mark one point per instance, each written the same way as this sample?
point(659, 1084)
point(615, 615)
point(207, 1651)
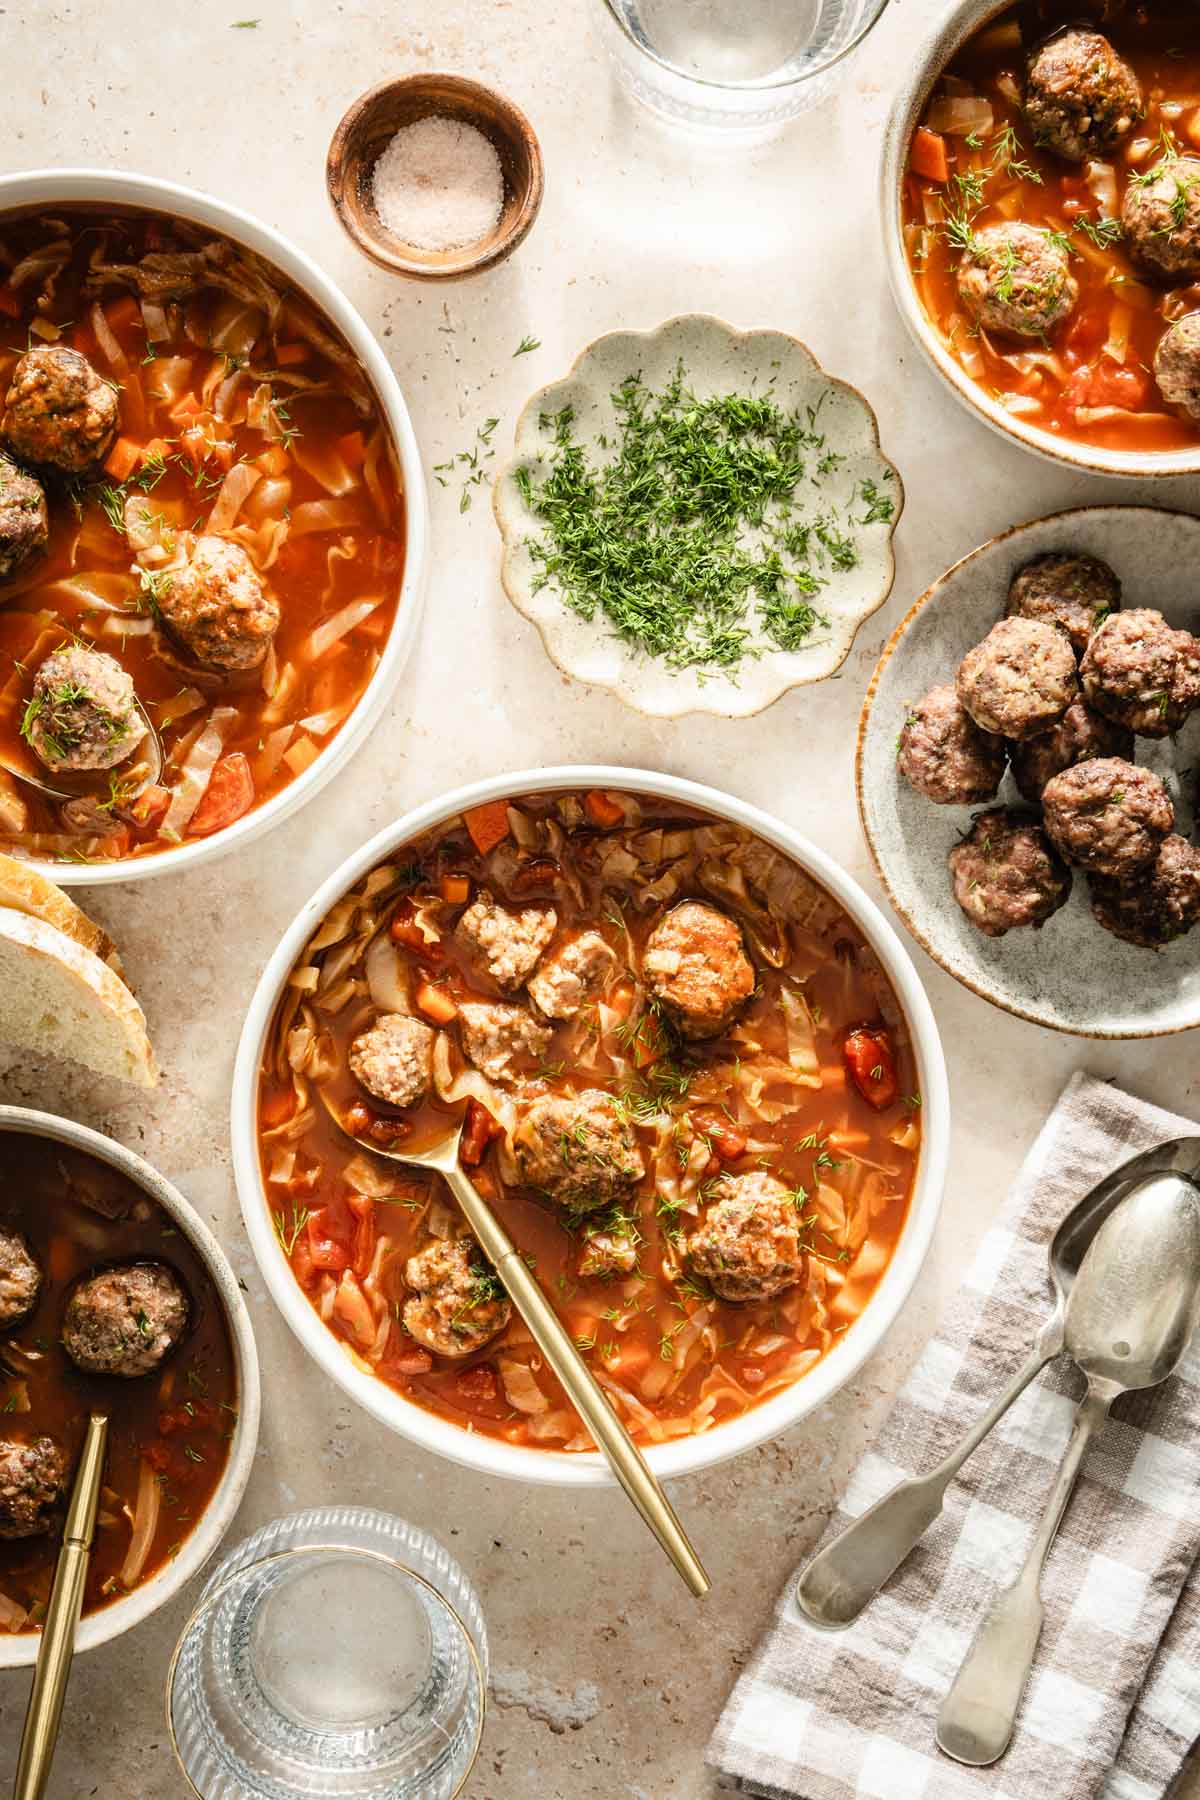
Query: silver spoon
point(147, 769)
point(1130, 1317)
point(850, 1571)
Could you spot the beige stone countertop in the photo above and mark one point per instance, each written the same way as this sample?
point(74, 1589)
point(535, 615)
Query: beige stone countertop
point(608, 1680)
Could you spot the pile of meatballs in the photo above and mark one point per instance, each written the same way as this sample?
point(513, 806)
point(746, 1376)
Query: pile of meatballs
point(1060, 689)
point(1081, 100)
point(121, 1322)
point(577, 1150)
point(59, 421)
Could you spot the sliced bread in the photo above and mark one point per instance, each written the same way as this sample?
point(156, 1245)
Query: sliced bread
point(58, 998)
point(25, 891)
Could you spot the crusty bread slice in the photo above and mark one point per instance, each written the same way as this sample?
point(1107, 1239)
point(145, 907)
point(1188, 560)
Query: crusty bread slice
point(24, 890)
point(59, 999)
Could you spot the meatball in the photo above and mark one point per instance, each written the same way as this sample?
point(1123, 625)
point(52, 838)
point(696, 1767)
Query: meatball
point(1006, 873)
point(1107, 816)
point(394, 1059)
point(1079, 735)
point(578, 1149)
point(571, 977)
point(1081, 98)
point(1159, 905)
point(696, 968)
point(24, 521)
point(1017, 279)
point(458, 1302)
point(125, 1321)
point(1177, 364)
point(20, 1279)
point(495, 1037)
point(1161, 216)
point(33, 1479)
point(58, 411)
point(217, 607)
point(945, 756)
point(83, 714)
point(749, 1245)
point(1074, 592)
point(1141, 673)
point(1020, 680)
point(508, 944)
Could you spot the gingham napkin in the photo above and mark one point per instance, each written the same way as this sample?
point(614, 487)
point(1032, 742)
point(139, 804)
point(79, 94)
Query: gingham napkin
point(1114, 1700)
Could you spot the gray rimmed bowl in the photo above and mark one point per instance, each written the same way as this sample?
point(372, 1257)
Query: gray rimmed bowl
point(935, 50)
point(1072, 975)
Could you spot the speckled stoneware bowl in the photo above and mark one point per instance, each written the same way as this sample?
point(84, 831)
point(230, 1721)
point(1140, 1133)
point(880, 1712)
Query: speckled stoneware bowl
point(1071, 975)
point(921, 71)
point(716, 359)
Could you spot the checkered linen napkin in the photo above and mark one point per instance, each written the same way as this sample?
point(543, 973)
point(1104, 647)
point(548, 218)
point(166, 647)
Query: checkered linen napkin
point(1114, 1700)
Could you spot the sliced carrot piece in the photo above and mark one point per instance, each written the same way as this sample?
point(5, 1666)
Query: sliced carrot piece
point(928, 155)
point(274, 461)
point(455, 889)
point(123, 459)
point(602, 809)
point(487, 824)
point(436, 1004)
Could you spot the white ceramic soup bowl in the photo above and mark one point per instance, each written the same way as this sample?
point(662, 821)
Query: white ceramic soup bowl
point(19, 1650)
point(474, 1449)
point(48, 188)
point(933, 52)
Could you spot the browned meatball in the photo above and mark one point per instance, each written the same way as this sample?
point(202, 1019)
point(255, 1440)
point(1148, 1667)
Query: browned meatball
point(1006, 874)
point(749, 1246)
point(20, 1279)
point(696, 968)
point(944, 755)
point(1177, 364)
point(1016, 279)
point(1159, 904)
point(579, 1149)
point(394, 1059)
point(500, 1040)
point(125, 1321)
point(24, 521)
point(33, 1479)
point(1020, 680)
point(1107, 816)
point(218, 608)
point(58, 411)
point(458, 1302)
point(1079, 735)
point(1081, 98)
point(506, 944)
point(83, 712)
point(1074, 592)
point(572, 976)
point(1161, 216)
point(1141, 673)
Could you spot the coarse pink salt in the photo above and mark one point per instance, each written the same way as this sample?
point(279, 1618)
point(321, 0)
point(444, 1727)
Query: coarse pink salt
point(439, 184)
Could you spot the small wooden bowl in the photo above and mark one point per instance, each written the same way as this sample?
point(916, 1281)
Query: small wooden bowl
point(368, 128)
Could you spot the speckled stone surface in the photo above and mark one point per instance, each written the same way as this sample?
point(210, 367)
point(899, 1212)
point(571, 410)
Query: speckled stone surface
point(608, 1678)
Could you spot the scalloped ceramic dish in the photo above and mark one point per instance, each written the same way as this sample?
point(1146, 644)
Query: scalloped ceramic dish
point(716, 360)
point(1071, 975)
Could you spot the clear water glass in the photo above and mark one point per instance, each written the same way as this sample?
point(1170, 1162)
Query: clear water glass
point(733, 63)
point(337, 1652)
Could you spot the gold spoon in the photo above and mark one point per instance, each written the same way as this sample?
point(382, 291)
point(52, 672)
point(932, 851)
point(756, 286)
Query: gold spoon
point(57, 1648)
point(552, 1339)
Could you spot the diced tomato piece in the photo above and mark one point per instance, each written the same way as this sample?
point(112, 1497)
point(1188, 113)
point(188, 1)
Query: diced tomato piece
point(479, 1128)
point(487, 824)
point(364, 1242)
point(927, 156)
point(158, 1456)
point(436, 1003)
point(303, 1266)
point(602, 809)
point(1106, 383)
point(410, 1361)
point(871, 1064)
point(229, 794)
point(331, 1233)
point(1085, 334)
point(405, 930)
point(277, 1107)
point(726, 1138)
point(478, 1383)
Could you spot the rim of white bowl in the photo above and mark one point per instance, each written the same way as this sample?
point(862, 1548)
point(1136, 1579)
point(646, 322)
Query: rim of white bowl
point(19, 1651)
point(98, 186)
point(490, 1456)
point(944, 39)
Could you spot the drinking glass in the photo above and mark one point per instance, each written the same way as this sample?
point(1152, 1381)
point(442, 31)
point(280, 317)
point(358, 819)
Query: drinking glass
point(337, 1652)
point(733, 63)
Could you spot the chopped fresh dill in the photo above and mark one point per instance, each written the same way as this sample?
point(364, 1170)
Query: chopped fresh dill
point(526, 345)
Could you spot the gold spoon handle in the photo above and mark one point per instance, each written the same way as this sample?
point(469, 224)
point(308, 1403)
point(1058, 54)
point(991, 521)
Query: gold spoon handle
point(57, 1649)
point(585, 1393)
